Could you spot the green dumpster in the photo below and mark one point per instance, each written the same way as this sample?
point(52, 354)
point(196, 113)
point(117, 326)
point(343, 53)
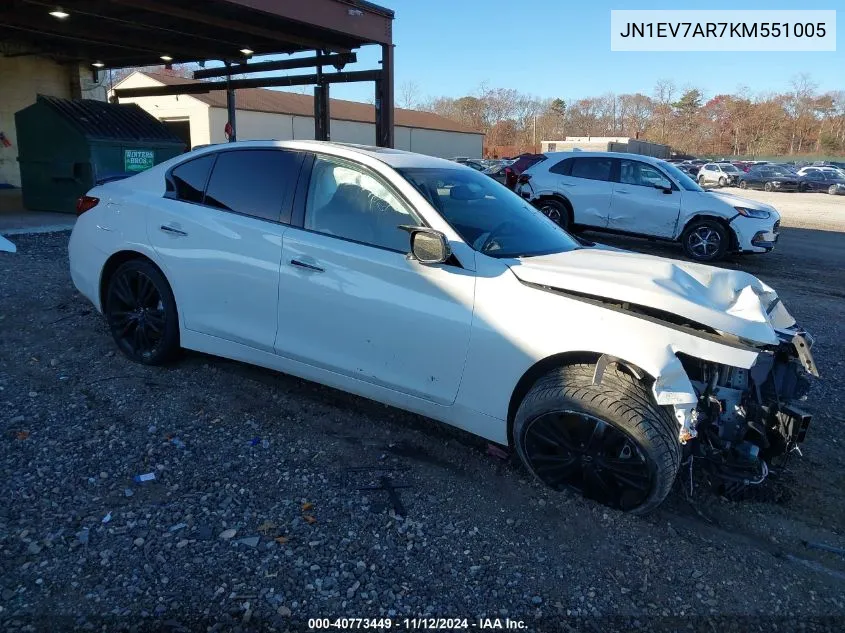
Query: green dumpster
point(65, 147)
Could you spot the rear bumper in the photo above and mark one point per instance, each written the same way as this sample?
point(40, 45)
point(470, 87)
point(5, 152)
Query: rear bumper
point(86, 264)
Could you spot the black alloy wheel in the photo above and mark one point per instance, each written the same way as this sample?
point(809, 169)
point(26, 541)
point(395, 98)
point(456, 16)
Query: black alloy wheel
point(572, 449)
point(556, 211)
point(141, 313)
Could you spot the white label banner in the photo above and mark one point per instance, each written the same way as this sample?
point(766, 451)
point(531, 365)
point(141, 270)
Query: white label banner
point(722, 30)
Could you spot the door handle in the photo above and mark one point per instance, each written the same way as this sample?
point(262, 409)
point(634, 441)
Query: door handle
point(172, 231)
point(306, 266)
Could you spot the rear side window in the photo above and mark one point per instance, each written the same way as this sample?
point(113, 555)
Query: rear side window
point(254, 182)
point(187, 181)
point(563, 167)
point(592, 168)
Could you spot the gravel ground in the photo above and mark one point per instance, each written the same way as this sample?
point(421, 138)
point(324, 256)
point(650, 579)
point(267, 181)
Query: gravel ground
point(255, 519)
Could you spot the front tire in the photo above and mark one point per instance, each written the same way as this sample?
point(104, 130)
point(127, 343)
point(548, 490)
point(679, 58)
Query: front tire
point(723, 181)
point(743, 184)
point(556, 211)
point(611, 442)
point(701, 181)
point(141, 313)
point(832, 190)
point(705, 240)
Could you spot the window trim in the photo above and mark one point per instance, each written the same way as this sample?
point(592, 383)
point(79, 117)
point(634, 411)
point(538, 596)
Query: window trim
point(289, 199)
point(301, 201)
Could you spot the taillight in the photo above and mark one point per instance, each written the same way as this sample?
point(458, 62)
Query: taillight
point(86, 203)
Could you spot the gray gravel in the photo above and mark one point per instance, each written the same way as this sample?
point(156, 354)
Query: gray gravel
point(255, 519)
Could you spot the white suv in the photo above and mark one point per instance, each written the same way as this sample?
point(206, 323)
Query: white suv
point(641, 195)
point(722, 174)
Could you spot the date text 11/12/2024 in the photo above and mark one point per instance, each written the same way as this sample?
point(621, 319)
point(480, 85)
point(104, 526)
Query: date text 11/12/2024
point(417, 624)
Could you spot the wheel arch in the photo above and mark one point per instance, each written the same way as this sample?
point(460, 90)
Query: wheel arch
point(705, 215)
point(545, 365)
point(115, 261)
point(559, 197)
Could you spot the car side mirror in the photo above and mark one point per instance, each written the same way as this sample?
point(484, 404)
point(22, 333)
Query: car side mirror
point(429, 246)
point(663, 188)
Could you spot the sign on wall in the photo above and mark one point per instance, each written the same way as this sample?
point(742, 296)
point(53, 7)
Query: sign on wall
point(138, 159)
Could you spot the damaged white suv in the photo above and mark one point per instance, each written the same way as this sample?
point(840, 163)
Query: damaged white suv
point(428, 286)
point(640, 195)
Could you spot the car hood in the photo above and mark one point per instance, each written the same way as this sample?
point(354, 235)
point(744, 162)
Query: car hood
point(734, 200)
point(729, 301)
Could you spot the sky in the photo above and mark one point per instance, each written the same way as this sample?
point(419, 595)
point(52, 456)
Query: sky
point(561, 48)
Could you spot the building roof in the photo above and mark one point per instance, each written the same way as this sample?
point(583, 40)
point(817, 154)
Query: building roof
point(280, 102)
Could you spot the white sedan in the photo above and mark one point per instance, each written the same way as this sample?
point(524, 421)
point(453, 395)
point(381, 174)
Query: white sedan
point(427, 285)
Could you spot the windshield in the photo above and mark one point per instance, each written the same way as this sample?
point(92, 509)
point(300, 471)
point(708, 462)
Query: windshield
point(777, 170)
point(489, 217)
point(680, 177)
point(730, 169)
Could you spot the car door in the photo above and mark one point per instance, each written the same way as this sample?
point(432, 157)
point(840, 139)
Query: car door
point(644, 200)
point(353, 302)
point(218, 234)
point(588, 185)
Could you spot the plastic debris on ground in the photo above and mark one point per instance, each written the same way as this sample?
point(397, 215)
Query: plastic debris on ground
point(145, 477)
point(107, 518)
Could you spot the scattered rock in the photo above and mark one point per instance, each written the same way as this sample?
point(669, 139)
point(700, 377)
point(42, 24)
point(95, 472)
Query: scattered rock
point(228, 534)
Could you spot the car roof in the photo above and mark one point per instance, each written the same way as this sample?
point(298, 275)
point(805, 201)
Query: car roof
point(393, 157)
point(572, 154)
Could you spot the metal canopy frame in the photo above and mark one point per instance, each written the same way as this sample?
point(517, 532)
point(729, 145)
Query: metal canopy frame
point(139, 33)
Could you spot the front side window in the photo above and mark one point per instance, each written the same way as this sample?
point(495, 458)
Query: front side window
point(347, 201)
point(633, 172)
point(490, 218)
point(253, 182)
point(187, 181)
point(592, 168)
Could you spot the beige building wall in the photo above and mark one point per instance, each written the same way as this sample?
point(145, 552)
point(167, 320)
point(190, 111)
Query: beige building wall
point(23, 78)
point(173, 108)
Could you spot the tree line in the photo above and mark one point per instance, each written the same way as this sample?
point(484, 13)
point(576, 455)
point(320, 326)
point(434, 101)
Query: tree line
point(800, 121)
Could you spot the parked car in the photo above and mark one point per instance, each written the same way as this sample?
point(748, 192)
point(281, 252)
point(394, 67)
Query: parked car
point(835, 171)
point(830, 181)
point(424, 285)
point(769, 178)
point(640, 195)
point(515, 169)
point(497, 173)
point(689, 169)
point(723, 174)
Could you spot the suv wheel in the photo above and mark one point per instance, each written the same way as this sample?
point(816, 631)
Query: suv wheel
point(705, 240)
point(610, 442)
point(556, 211)
point(723, 181)
point(743, 184)
point(832, 190)
point(701, 180)
point(767, 186)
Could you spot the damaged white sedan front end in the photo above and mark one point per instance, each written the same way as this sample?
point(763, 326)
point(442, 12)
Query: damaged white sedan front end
point(717, 346)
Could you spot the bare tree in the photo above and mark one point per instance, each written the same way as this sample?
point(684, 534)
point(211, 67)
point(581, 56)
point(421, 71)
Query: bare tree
point(409, 95)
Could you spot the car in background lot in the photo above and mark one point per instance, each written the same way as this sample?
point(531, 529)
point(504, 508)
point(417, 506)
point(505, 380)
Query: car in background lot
point(515, 169)
point(770, 177)
point(497, 172)
point(422, 284)
point(835, 171)
point(722, 174)
point(689, 169)
point(831, 181)
point(641, 195)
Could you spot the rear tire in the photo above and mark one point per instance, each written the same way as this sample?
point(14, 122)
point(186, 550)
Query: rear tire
point(610, 442)
point(141, 312)
point(767, 186)
point(701, 181)
point(556, 211)
point(743, 184)
point(705, 240)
